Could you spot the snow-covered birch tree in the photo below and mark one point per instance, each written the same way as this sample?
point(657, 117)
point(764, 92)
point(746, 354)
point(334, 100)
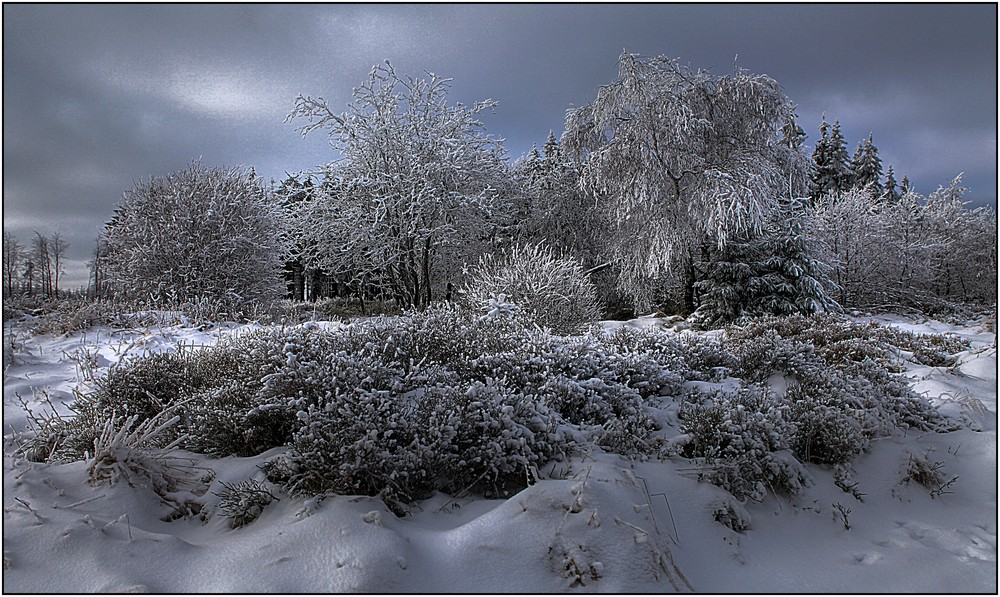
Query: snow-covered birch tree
point(684, 160)
point(416, 192)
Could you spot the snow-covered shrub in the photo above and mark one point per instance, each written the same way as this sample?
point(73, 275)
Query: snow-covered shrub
point(45, 434)
point(742, 439)
point(226, 414)
point(554, 291)
point(243, 502)
point(847, 361)
point(200, 234)
point(125, 447)
point(404, 446)
point(824, 432)
point(690, 356)
point(139, 388)
point(923, 471)
point(136, 452)
point(731, 514)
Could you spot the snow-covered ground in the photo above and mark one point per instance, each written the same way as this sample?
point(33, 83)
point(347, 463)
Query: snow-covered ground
point(599, 523)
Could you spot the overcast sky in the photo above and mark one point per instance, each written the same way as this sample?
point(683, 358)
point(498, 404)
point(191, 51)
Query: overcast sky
point(97, 97)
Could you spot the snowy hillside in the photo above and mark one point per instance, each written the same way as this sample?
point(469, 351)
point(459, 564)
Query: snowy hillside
point(594, 522)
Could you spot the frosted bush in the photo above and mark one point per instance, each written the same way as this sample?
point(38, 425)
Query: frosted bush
point(243, 502)
point(553, 291)
point(742, 439)
point(198, 236)
point(403, 447)
point(824, 432)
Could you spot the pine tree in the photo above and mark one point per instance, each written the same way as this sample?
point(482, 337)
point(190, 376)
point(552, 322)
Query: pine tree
point(770, 274)
point(904, 186)
point(843, 177)
point(867, 168)
point(553, 152)
point(891, 194)
point(831, 172)
point(819, 177)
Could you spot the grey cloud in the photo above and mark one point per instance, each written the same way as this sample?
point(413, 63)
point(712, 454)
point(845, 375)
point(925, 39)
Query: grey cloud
point(97, 97)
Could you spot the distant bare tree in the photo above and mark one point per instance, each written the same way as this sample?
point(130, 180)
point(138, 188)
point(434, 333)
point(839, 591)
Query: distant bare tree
point(42, 258)
point(13, 257)
point(57, 250)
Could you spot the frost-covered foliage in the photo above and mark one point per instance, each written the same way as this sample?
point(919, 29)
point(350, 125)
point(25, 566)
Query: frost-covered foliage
point(838, 394)
point(913, 252)
point(771, 274)
point(840, 363)
point(683, 158)
point(416, 193)
point(553, 291)
point(243, 502)
point(197, 234)
point(446, 399)
point(743, 436)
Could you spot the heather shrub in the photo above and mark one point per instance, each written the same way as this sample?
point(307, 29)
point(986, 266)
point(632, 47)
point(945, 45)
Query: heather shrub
point(822, 431)
point(243, 502)
point(404, 446)
point(742, 439)
point(553, 291)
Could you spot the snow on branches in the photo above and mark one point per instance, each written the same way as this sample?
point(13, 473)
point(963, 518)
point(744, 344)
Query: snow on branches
point(684, 158)
point(416, 192)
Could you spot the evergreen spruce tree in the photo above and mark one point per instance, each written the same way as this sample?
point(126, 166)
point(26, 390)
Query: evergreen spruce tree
point(891, 194)
point(794, 280)
point(904, 187)
point(821, 174)
point(533, 168)
point(552, 150)
point(842, 176)
point(867, 168)
point(771, 274)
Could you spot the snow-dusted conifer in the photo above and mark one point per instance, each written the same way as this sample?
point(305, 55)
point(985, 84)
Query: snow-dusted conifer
point(771, 274)
point(867, 168)
point(891, 194)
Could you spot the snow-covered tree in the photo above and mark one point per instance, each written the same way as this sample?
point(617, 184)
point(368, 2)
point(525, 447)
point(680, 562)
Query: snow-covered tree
point(914, 252)
point(196, 234)
point(964, 256)
point(683, 160)
point(556, 211)
point(13, 257)
point(867, 168)
point(773, 273)
point(98, 281)
point(891, 194)
point(416, 193)
point(57, 250)
point(41, 256)
point(831, 171)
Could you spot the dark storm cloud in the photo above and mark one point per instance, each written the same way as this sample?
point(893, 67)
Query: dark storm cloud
point(97, 97)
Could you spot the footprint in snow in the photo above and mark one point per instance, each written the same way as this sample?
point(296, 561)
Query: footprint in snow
point(867, 559)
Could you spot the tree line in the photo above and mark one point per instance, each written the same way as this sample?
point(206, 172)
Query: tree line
point(674, 189)
point(35, 268)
